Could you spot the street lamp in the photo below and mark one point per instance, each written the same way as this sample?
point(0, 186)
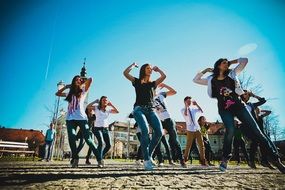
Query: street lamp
point(60, 135)
point(128, 142)
point(60, 85)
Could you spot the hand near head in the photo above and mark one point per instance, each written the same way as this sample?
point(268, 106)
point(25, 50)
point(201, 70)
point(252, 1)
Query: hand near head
point(155, 69)
point(135, 65)
point(207, 70)
point(194, 103)
point(161, 85)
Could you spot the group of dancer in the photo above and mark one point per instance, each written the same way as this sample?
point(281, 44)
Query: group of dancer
point(151, 113)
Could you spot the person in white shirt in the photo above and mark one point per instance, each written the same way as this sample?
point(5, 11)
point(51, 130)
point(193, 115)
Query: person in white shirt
point(76, 116)
point(168, 124)
point(191, 113)
point(101, 124)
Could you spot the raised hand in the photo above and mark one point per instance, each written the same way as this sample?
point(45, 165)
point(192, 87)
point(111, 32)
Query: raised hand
point(135, 65)
point(207, 70)
point(161, 85)
point(155, 69)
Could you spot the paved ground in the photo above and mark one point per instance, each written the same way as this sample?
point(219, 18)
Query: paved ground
point(126, 175)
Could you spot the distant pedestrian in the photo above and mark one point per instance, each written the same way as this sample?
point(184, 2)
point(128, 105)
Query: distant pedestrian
point(49, 142)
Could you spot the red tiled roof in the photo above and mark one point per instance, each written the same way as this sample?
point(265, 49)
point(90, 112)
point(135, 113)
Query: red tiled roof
point(20, 135)
point(181, 127)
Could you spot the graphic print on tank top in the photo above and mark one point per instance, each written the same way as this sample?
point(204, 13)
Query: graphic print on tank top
point(159, 103)
point(227, 96)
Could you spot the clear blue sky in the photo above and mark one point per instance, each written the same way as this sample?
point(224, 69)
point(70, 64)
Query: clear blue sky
point(181, 37)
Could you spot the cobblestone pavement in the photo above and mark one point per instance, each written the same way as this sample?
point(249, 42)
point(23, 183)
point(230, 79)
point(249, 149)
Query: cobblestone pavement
point(126, 175)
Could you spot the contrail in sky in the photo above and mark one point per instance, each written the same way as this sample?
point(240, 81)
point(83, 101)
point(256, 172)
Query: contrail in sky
point(51, 44)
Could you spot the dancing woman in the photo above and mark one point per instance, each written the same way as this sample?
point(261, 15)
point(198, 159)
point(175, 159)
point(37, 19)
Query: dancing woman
point(101, 125)
point(224, 85)
point(168, 124)
point(144, 108)
point(76, 116)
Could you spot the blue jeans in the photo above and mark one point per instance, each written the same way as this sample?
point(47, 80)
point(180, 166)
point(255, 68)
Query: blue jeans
point(139, 152)
point(84, 128)
point(158, 153)
point(170, 126)
point(102, 133)
point(249, 126)
point(143, 116)
point(48, 150)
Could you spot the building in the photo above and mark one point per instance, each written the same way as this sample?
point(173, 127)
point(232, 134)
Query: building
point(215, 132)
point(34, 138)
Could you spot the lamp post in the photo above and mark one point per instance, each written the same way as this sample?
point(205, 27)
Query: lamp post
point(60, 85)
point(128, 145)
point(113, 135)
point(60, 136)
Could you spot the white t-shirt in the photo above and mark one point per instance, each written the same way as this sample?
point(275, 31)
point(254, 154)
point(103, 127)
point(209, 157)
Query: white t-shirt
point(160, 106)
point(192, 122)
point(76, 109)
point(101, 117)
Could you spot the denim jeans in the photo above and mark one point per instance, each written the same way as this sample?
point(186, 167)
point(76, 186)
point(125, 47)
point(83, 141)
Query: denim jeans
point(84, 128)
point(139, 152)
point(143, 116)
point(170, 126)
point(102, 134)
point(208, 149)
point(48, 149)
point(249, 127)
point(240, 143)
point(158, 152)
point(254, 146)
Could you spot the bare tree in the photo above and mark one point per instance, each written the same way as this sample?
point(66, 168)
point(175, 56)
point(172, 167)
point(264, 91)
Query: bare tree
point(271, 122)
point(247, 83)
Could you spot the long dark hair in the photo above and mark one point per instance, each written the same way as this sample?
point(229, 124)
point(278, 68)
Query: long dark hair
point(216, 70)
point(100, 102)
point(74, 90)
point(142, 71)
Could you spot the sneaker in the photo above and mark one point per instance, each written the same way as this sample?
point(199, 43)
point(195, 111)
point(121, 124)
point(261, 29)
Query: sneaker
point(87, 162)
point(183, 164)
point(138, 162)
point(71, 161)
point(223, 166)
point(101, 164)
point(172, 163)
point(160, 164)
point(211, 164)
point(148, 165)
point(153, 162)
point(278, 164)
point(75, 163)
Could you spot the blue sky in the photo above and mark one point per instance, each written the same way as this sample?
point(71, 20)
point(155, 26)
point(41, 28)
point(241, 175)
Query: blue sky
point(181, 37)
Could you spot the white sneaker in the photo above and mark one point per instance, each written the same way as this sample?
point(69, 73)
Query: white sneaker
point(153, 162)
point(161, 164)
point(138, 162)
point(148, 165)
point(101, 164)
